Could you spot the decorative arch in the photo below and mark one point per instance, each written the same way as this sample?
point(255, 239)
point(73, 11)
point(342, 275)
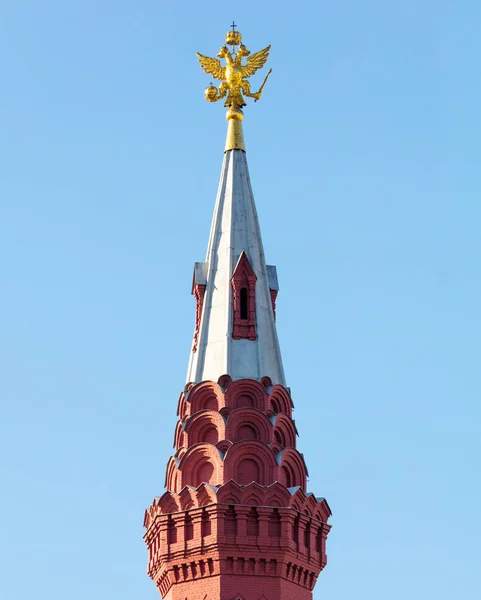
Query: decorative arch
point(249, 459)
point(188, 498)
point(205, 426)
point(287, 476)
point(168, 503)
point(224, 381)
point(284, 431)
point(323, 511)
point(181, 397)
point(225, 412)
point(296, 502)
point(180, 453)
point(275, 447)
point(229, 493)
point(293, 469)
point(171, 475)
point(253, 499)
point(149, 516)
point(275, 501)
point(205, 495)
point(266, 382)
point(201, 464)
point(277, 495)
point(206, 395)
point(307, 504)
point(183, 407)
point(253, 494)
point(310, 505)
point(248, 423)
point(280, 400)
point(246, 393)
point(178, 436)
point(223, 446)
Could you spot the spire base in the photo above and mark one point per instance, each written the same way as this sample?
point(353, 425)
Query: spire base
point(235, 135)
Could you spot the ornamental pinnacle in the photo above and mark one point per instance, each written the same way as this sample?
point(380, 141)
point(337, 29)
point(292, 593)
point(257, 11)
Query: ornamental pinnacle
point(234, 75)
point(235, 84)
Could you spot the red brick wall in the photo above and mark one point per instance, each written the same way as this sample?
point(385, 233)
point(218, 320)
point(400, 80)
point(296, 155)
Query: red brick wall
point(228, 527)
point(230, 587)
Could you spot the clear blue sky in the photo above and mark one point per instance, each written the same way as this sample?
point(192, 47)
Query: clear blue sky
point(364, 155)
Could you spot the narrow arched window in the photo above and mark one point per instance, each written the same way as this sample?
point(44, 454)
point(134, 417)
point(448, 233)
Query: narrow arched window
point(244, 306)
point(243, 300)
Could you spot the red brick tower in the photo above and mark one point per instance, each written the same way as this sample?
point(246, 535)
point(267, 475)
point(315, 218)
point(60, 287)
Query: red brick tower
point(236, 521)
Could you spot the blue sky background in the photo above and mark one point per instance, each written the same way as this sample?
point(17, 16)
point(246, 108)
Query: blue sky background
point(364, 156)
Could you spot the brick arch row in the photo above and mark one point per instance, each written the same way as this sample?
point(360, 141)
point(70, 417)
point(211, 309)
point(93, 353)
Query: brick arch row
point(244, 462)
point(275, 495)
point(234, 415)
point(242, 423)
point(244, 393)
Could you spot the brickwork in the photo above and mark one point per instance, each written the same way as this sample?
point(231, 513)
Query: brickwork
point(235, 521)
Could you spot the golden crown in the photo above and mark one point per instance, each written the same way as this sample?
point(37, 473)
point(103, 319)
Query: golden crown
point(233, 38)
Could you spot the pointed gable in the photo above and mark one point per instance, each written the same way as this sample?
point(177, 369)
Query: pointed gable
point(244, 300)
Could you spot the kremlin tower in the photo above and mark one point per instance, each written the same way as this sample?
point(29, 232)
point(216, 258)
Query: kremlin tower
point(236, 521)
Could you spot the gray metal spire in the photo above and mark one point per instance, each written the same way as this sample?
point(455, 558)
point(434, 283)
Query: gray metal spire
point(235, 230)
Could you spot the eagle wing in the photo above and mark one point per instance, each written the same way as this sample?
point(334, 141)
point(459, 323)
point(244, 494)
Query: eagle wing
point(211, 66)
point(255, 61)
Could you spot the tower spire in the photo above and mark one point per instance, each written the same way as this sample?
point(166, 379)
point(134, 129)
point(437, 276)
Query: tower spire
point(223, 342)
point(236, 521)
point(235, 329)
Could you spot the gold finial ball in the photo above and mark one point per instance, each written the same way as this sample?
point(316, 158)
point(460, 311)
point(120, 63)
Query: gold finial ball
point(235, 113)
point(233, 38)
point(211, 93)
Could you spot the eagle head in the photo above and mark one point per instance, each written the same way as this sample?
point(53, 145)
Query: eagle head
point(243, 51)
point(223, 52)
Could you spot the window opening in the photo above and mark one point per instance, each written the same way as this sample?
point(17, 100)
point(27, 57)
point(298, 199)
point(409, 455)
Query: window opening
point(244, 307)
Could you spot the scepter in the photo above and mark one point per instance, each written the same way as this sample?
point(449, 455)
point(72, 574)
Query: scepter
point(259, 93)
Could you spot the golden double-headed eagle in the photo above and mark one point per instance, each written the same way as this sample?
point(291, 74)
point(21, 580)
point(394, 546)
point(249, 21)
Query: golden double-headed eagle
point(234, 75)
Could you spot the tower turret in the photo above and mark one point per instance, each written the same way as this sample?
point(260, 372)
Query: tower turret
point(236, 520)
